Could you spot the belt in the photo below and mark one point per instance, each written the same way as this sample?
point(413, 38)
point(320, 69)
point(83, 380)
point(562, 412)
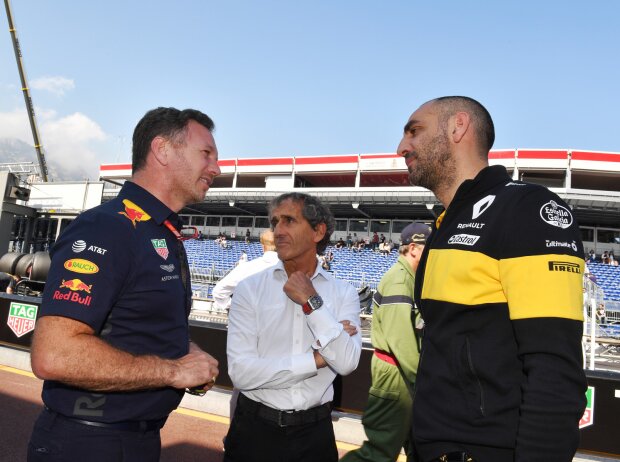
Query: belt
point(285, 418)
point(129, 425)
point(454, 457)
point(387, 357)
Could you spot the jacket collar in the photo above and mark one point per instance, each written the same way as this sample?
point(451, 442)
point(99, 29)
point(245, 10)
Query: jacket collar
point(486, 179)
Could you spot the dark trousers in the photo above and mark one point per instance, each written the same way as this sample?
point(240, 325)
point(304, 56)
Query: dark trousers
point(253, 439)
point(58, 440)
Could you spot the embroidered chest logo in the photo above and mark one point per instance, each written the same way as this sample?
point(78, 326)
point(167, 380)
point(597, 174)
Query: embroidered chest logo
point(161, 248)
point(481, 206)
point(134, 213)
point(556, 215)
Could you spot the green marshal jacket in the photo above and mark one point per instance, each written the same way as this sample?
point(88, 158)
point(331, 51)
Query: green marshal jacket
point(392, 330)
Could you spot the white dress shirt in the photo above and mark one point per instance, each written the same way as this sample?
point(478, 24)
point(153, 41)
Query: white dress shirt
point(223, 290)
point(271, 341)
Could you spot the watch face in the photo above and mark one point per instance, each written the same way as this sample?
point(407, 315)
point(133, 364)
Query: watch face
point(315, 302)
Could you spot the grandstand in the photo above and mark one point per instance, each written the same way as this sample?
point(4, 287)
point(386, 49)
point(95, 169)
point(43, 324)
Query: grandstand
point(366, 192)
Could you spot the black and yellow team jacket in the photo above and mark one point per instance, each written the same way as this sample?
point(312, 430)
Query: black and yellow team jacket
point(499, 287)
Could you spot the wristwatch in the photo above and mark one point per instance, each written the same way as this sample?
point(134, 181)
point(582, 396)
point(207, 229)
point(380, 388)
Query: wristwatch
point(314, 303)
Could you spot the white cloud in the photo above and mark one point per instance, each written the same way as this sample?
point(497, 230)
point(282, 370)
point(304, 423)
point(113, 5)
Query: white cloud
point(15, 124)
point(57, 85)
point(69, 142)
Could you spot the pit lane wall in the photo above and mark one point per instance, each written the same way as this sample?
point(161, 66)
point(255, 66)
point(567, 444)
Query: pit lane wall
point(18, 315)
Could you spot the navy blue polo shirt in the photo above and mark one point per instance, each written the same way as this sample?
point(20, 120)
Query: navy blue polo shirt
point(117, 269)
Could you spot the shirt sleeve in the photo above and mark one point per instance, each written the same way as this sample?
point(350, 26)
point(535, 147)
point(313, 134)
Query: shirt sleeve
point(541, 272)
point(90, 264)
point(249, 371)
point(339, 349)
point(222, 292)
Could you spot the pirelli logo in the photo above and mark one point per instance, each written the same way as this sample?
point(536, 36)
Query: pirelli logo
point(564, 266)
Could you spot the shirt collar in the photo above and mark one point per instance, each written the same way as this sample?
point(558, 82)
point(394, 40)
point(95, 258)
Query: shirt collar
point(149, 203)
point(279, 267)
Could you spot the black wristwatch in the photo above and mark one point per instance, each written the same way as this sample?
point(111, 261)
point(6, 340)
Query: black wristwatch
point(314, 303)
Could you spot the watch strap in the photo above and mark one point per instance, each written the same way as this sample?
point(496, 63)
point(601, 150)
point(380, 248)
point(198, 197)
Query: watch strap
point(307, 309)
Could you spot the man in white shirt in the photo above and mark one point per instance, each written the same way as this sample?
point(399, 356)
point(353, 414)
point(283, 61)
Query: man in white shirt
point(223, 290)
point(292, 328)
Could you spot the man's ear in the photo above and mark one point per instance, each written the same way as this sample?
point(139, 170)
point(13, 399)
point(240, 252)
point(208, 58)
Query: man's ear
point(461, 122)
point(319, 232)
point(160, 150)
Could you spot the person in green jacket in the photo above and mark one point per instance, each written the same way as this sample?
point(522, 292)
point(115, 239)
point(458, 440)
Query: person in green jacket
point(387, 417)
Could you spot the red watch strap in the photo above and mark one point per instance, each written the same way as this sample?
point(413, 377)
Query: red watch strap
point(307, 308)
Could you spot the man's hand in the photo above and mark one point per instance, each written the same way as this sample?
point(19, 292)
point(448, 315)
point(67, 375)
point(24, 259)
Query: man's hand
point(195, 369)
point(299, 287)
point(318, 359)
point(349, 328)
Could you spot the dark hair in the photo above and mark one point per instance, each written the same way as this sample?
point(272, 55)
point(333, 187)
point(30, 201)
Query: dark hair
point(313, 210)
point(167, 122)
point(482, 121)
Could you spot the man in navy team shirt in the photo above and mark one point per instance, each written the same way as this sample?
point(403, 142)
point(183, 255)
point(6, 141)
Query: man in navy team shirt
point(112, 341)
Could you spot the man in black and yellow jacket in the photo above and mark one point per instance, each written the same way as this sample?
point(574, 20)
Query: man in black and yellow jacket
point(499, 287)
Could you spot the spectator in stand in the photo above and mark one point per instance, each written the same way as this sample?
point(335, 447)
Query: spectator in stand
point(247, 236)
point(349, 241)
point(601, 316)
point(329, 256)
point(383, 249)
point(375, 241)
point(592, 256)
point(382, 239)
point(358, 245)
point(612, 259)
point(223, 242)
point(340, 244)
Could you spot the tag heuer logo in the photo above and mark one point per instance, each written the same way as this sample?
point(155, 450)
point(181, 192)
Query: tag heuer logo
point(588, 415)
point(160, 247)
point(22, 318)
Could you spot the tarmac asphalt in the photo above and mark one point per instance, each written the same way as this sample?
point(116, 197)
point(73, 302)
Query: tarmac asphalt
point(189, 435)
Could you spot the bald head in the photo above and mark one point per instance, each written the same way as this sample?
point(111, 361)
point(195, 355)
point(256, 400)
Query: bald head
point(481, 120)
point(267, 240)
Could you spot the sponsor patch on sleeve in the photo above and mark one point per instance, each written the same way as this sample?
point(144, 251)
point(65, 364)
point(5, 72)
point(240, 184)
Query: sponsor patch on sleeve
point(79, 265)
point(556, 215)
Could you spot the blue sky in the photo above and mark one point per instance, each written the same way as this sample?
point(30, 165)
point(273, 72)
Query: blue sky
point(284, 78)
